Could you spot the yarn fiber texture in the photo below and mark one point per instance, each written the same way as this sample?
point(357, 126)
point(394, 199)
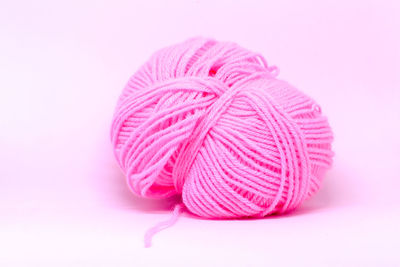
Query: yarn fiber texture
point(210, 121)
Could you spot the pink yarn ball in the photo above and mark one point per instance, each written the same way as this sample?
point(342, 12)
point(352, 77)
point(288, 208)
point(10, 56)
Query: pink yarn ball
point(210, 121)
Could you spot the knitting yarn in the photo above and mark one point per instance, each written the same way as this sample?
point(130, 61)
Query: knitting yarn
point(210, 121)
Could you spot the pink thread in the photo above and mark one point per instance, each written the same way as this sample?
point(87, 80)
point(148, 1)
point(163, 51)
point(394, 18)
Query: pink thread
point(210, 121)
point(162, 225)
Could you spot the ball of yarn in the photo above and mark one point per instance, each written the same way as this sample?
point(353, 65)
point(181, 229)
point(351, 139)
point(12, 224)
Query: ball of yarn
point(210, 121)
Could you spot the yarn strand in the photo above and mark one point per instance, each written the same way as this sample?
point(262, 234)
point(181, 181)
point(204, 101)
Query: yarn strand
point(162, 225)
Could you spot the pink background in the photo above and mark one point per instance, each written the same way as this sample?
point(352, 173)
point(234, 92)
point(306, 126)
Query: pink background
point(63, 200)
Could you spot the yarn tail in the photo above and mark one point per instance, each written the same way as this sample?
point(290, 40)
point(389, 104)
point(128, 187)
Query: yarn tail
point(162, 225)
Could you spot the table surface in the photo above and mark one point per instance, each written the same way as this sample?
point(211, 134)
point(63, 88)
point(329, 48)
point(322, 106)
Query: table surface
point(64, 201)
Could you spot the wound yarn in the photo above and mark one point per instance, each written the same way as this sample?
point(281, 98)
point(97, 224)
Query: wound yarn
point(211, 122)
